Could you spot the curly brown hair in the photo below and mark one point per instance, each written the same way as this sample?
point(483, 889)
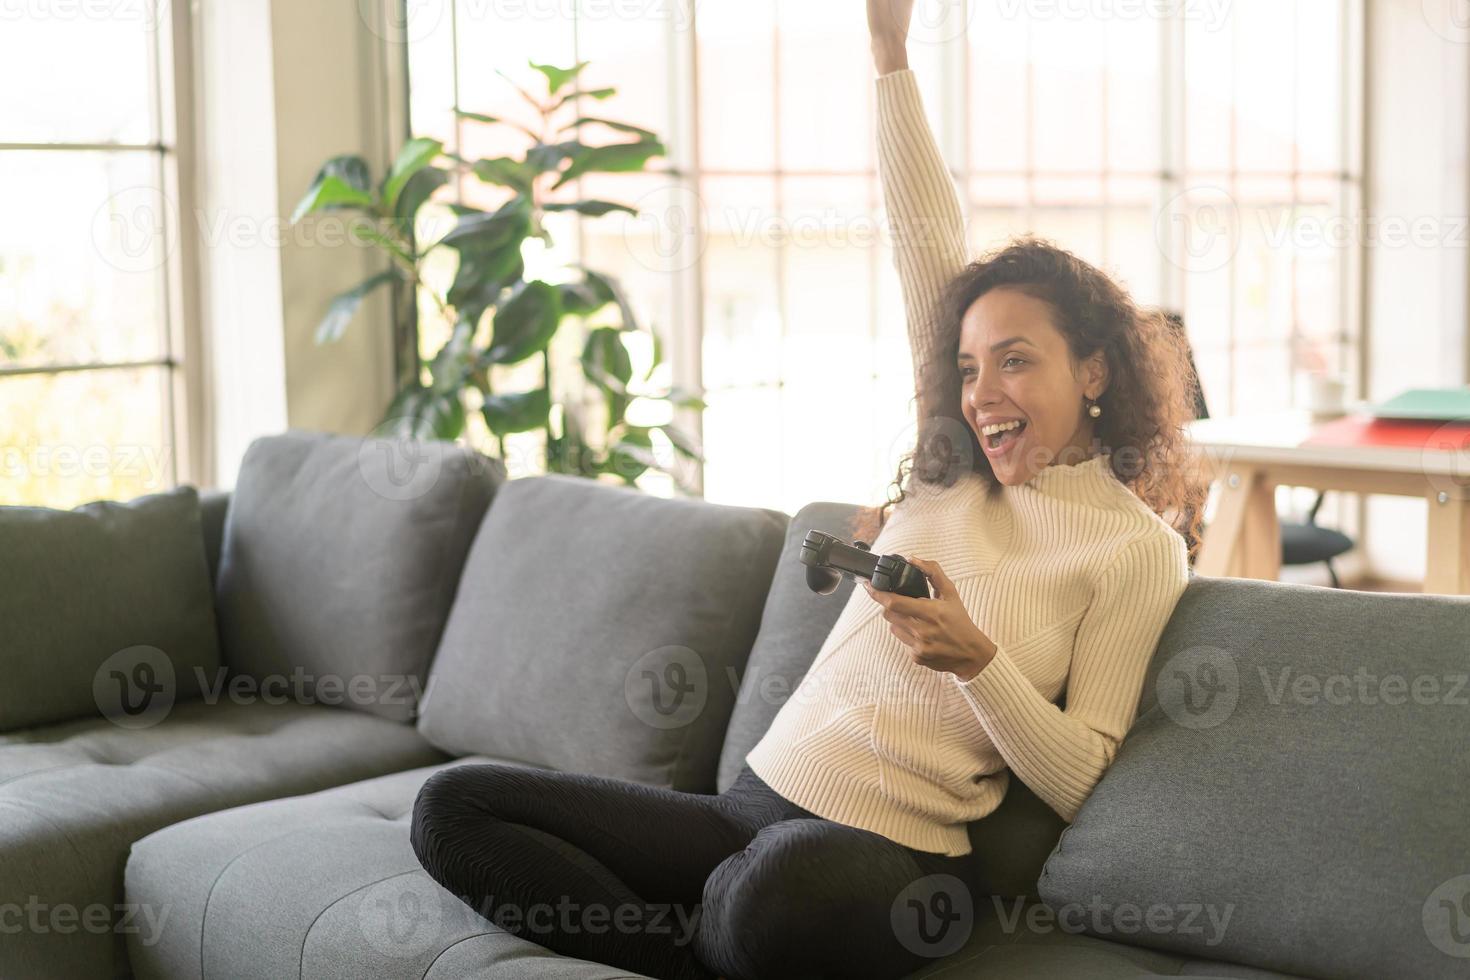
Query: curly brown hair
point(1151, 393)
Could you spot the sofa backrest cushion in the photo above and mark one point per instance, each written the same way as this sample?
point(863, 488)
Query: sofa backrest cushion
point(599, 629)
point(213, 506)
point(340, 560)
point(1008, 847)
point(106, 607)
point(1293, 795)
point(794, 623)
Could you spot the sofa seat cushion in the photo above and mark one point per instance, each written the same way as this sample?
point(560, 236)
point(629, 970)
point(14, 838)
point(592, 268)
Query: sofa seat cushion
point(325, 885)
point(601, 629)
point(74, 797)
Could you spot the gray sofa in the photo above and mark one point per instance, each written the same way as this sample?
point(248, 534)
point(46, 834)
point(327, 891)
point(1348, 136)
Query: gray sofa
point(1291, 801)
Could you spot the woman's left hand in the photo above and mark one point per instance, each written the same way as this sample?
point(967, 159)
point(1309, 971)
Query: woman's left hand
point(938, 631)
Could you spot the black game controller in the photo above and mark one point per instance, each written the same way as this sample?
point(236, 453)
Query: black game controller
point(827, 559)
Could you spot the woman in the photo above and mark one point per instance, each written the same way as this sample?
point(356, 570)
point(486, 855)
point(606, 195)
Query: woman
point(1051, 416)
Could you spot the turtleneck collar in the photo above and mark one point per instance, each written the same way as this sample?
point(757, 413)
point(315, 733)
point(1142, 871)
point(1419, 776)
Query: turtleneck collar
point(1087, 478)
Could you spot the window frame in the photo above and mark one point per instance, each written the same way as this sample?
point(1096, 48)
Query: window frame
point(173, 162)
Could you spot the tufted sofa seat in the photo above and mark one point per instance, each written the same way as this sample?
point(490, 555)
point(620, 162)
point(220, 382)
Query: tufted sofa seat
point(74, 796)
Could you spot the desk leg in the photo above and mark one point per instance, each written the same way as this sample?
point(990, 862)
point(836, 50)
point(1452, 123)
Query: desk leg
point(1244, 539)
point(1447, 570)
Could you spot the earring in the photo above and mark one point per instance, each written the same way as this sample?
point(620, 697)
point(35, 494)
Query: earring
point(1093, 408)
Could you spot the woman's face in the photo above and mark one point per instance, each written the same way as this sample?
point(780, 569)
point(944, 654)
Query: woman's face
point(1015, 367)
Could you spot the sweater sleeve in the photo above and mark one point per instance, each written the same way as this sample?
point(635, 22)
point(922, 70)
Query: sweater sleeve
point(1061, 755)
point(924, 214)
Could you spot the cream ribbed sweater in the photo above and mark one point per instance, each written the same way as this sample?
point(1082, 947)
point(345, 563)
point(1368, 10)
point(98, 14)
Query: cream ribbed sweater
point(1070, 574)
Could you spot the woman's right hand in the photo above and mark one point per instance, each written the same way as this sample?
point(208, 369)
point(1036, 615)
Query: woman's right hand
point(888, 32)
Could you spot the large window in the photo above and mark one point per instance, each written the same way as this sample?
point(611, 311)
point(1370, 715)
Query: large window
point(91, 348)
point(1208, 155)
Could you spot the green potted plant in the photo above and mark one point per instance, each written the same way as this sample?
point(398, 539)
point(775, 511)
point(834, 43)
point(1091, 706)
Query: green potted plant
point(498, 317)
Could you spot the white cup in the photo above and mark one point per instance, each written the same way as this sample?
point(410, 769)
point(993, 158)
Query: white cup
point(1325, 395)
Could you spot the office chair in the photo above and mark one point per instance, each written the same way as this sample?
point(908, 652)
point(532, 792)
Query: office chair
point(1302, 542)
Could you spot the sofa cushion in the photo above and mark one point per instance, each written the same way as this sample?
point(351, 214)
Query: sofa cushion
point(98, 599)
point(74, 797)
point(794, 623)
point(323, 886)
point(340, 561)
point(601, 629)
point(1022, 940)
point(327, 885)
point(1299, 765)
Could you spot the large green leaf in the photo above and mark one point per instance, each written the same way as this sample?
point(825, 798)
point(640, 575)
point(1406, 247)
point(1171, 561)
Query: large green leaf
point(452, 365)
point(482, 276)
point(487, 232)
point(341, 176)
point(416, 154)
point(493, 120)
point(580, 299)
point(543, 158)
point(632, 454)
point(331, 193)
point(420, 187)
point(505, 171)
point(594, 93)
point(489, 247)
point(558, 78)
point(422, 413)
point(349, 168)
point(658, 355)
point(605, 361)
point(519, 411)
point(682, 398)
point(682, 442)
point(611, 158)
point(623, 127)
point(593, 209)
point(524, 323)
point(611, 289)
point(340, 313)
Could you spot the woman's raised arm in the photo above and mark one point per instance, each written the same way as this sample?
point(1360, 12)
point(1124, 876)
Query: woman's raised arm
point(924, 213)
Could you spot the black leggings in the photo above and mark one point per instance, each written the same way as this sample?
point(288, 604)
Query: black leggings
point(688, 886)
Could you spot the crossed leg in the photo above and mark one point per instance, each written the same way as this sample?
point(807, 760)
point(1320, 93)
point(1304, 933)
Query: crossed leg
point(817, 899)
point(628, 861)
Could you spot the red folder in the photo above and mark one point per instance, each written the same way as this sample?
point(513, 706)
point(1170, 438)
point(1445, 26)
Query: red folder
point(1365, 430)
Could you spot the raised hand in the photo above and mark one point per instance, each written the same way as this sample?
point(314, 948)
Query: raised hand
point(888, 33)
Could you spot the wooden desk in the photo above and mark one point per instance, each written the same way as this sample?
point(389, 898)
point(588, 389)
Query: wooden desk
point(1252, 455)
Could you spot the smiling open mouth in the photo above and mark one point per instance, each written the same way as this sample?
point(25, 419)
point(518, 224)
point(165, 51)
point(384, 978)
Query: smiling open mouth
point(999, 436)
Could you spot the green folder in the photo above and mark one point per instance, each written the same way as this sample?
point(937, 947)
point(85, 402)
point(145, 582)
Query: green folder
point(1429, 404)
